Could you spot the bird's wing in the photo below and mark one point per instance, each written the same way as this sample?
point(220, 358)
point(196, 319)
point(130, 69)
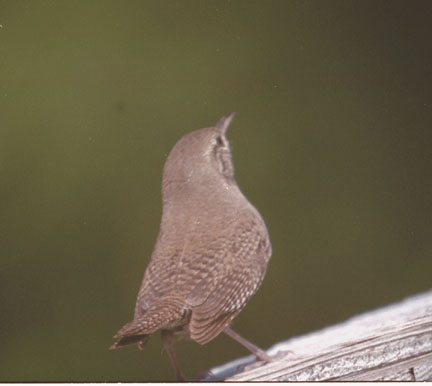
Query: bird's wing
point(235, 275)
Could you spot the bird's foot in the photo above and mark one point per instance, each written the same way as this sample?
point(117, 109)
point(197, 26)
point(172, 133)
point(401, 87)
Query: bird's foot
point(262, 358)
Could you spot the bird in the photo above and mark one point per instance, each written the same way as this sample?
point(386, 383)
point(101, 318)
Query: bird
point(211, 253)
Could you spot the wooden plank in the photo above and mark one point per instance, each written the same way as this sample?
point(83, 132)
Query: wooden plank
point(391, 343)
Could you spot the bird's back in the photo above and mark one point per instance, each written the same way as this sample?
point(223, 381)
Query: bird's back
point(212, 271)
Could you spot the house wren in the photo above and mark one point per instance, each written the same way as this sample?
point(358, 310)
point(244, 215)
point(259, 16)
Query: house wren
point(211, 253)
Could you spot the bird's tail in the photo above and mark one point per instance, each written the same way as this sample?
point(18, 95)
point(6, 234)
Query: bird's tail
point(141, 340)
point(163, 315)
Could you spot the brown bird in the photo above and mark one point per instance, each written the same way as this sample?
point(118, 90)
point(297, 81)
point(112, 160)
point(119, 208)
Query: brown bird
point(211, 253)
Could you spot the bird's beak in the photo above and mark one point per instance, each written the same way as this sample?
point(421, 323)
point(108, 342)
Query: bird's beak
point(224, 122)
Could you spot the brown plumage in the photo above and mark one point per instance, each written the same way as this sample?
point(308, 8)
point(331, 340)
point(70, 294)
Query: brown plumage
point(211, 253)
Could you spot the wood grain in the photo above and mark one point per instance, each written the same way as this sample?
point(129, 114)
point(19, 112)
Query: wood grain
point(388, 344)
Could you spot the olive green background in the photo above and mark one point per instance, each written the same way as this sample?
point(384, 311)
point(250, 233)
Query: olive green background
point(332, 142)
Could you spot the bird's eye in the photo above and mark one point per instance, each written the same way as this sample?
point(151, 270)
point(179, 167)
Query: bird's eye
point(220, 141)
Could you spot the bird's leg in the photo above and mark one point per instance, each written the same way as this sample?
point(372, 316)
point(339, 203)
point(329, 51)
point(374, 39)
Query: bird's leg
point(259, 354)
point(168, 342)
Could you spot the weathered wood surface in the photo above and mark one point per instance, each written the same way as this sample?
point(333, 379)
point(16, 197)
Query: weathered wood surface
point(391, 343)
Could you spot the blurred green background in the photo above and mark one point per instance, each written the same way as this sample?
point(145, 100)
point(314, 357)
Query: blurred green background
point(332, 142)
